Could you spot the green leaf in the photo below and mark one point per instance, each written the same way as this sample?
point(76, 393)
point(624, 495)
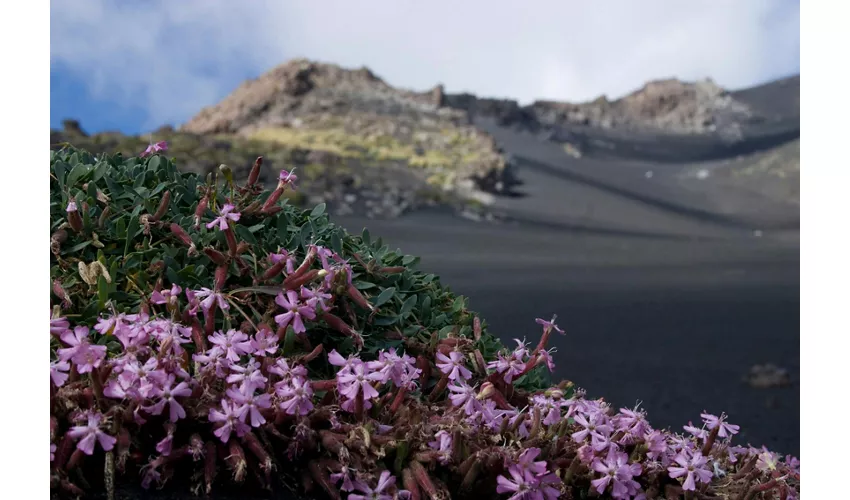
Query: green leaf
point(282, 229)
point(385, 320)
point(75, 174)
point(426, 307)
point(102, 292)
point(100, 170)
point(336, 243)
point(289, 342)
point(246, 235)
point(384, 296)
point(318, 211)
point(458, 304)
point(408, 260)
point(363, 285)
point(154, 163)
point(305, 236)
point(131, 232)
point(60, 168)
point(366, 237)
point(408, 306)
point(76, 248)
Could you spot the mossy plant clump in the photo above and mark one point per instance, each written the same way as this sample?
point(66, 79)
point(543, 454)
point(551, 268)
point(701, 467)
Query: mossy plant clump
point(206, 333)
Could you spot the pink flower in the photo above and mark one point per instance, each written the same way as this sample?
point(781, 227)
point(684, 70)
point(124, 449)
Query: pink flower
point(252, 403)
point(58, 326)
point(230, 419)
point(594, 424)
point(511, 366)
point(550, 325)
point(693, 468)
point(399, 369)
point(59, 372)
point(77, 339)
point(211, 297)
point(297, 396)
point(250, 377)
point(154, 148)
point(344, 475)
point(234, 343)
point(226, 214)
point(315, 298)
point(443, 444)
point(464, 395)
point(295, 312)
point(357, 381)
point(264, 343)
point(167, 296)
point(287, 178)
point(453, 365)
point(616, 469)
point(385, 481)
point(712, 421)
point(52, 451)
point(696, 431)
point(90, 433)
point(283, 256)
point(72, 206)
point(167, 395)
point(282, 369)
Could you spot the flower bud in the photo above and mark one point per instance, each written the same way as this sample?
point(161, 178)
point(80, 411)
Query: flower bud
point(163, 207)
point(255, 171)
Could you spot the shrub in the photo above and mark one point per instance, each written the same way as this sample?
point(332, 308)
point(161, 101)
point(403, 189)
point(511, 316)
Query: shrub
point(210, 331)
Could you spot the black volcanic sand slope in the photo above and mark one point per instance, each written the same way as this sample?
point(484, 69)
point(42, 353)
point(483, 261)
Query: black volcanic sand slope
point(671, 322)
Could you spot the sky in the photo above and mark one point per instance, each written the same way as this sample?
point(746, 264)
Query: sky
point(135, 65)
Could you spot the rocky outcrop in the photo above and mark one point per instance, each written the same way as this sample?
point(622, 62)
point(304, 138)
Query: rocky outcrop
point(669, 106)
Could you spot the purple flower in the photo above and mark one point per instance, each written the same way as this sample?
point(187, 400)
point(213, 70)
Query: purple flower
point(154, 148)
point(656, 444)
point(510, 366)
point(616, 471)
point(251, 403)
point(52, 451)
point(526, 462)
point(464, 395)
point(344, 475)
point(594, 424)
point(226, 214)
point(287, 178)
point(315, 298)
point(295, 312)
point(214, 359)
point(234, 343)
point(443, 444)
point(282, 369)
point(90, 433)
point(712, 421)
point(264, 343)
point(692, 467)
point(699, 433)
point(549, 409)
point(72, 206)
point(767, 461)
point(546, 357)
point(297, 396)
point(167, 296)
point(59, 372)
point(550, 325)
point(82, 353)
point(283, 256)
point(58, 326)
point(526, 486)
point(167, 394)
point(356, 381)
point(250, 376)
point(385, 481)
point(400, 369)
point(211, 297)
point(453, 365)
point(230, 419)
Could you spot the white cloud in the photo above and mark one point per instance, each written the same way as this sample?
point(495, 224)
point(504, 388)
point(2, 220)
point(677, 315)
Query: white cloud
point(177, 56)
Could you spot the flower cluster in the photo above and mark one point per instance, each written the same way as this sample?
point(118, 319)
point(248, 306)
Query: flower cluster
point(276, 368)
